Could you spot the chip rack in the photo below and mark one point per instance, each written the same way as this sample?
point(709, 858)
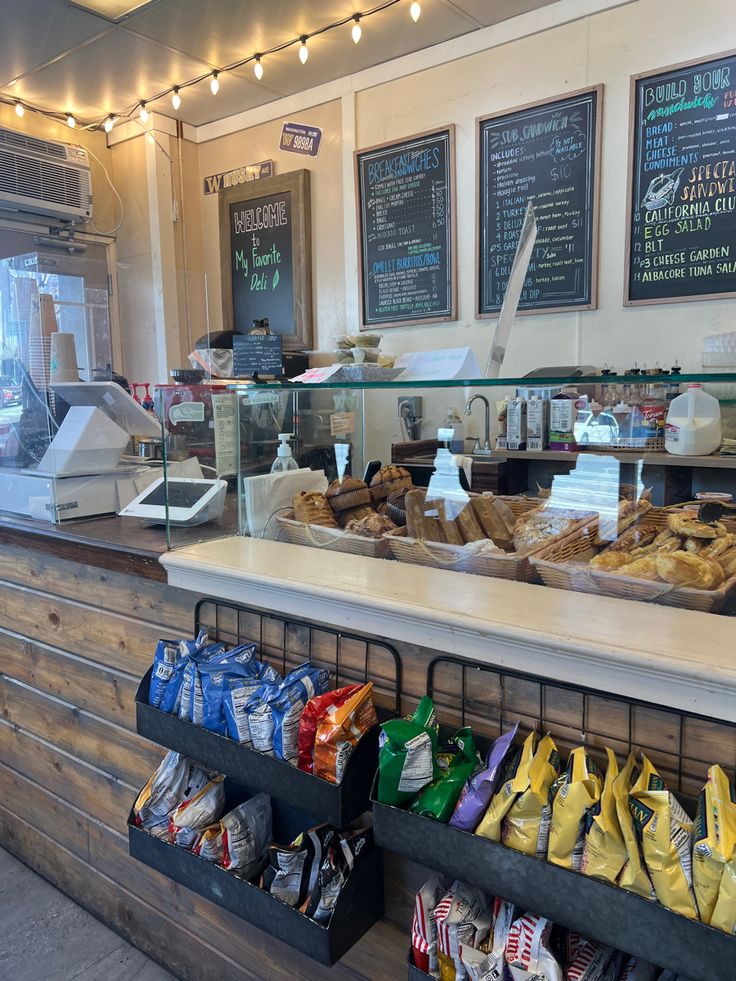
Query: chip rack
point(681, 744)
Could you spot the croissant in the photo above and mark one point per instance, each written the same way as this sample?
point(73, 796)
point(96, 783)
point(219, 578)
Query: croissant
point(685, 569)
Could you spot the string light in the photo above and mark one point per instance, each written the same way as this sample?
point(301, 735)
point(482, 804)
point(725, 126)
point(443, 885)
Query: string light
point(357, 29)
point(415, 10)
point(303, 50)
point(258, 68)
point(110, 122)
point(176, 99)
point(20, 110)
point(214, 83)
point(71, 121)
point(143, 113)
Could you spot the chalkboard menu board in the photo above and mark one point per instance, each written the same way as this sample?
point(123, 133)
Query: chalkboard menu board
point(265, 257)
point(257, 354)
point(682, 183)
point(406, 239)
point(549, 152)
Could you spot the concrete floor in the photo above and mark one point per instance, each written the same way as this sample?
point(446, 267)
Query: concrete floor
point(45, 936)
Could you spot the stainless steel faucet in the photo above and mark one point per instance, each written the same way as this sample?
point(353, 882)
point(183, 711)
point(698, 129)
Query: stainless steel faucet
point(486, 448)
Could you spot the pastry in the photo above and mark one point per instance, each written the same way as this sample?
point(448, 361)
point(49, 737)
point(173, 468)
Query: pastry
point(664, 539)
point(468, 526)
point(372, 526)
point(714, 550)
point(644, 568)
point(496, 519)
point(609, 561)
point(685, 569)
point(536, 527)
point(629, 513)
point(313, 508)
point(483, 546)
point(686, 524)
point(727, 562)
point(387, 480)
point(637, 536)
point(353, 514)
point(348, 494)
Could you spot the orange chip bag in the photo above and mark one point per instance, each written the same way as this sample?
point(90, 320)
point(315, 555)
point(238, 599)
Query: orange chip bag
point(339, 731)
point(314, 711)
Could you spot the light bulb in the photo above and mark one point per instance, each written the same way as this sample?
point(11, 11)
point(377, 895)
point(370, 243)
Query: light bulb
point(415, 10)
point(71, 121)
point(214, 84)
point(303, 51)
point(143, 113)
point(20, 110)
point(357, 30)
point(109, 123)
point(258, 68)
point(176, 98)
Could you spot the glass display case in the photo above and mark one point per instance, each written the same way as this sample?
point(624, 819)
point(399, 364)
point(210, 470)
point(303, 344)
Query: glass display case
point(593, 483)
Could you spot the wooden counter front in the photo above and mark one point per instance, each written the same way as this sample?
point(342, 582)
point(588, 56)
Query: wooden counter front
point(79, 620)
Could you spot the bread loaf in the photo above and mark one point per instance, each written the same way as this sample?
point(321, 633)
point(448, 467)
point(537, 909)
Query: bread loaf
point(313, 508)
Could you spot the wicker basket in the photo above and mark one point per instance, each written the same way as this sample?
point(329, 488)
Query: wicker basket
point(331, 539)
point(563, 564)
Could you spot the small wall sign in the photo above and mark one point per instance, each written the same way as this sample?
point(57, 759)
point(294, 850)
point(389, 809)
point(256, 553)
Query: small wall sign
point(296, 138)
point(231, 178)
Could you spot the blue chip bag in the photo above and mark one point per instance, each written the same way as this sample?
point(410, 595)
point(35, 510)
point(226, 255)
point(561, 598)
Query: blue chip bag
point(189, 699)
point(215, 676)
point(236, 695)
point(168, 655)
point(275, 710)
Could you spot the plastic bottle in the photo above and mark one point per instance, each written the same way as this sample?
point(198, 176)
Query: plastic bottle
point(453, 421)
point(693, 423)
point(284, 460)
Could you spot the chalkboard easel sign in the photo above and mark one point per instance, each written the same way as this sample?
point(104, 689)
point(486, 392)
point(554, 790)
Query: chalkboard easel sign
point(548, 152)
point(257, 354)
point(682, 183)
point(405, 194)
point(265, 257)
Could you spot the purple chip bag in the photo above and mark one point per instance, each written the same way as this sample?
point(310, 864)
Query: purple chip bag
point(477, 793)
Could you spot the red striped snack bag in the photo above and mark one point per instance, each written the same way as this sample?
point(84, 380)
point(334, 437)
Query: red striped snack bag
point(590, 962)
point(528, 955)
point(456, 916)
point(424, 928)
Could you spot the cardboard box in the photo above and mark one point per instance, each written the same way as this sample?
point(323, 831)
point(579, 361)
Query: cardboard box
point(537, 424)
point(516, 424)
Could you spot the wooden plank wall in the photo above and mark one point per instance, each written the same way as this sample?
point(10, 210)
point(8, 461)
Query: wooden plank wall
point(75, 640)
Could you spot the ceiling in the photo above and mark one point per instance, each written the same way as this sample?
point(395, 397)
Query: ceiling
point(93, 57)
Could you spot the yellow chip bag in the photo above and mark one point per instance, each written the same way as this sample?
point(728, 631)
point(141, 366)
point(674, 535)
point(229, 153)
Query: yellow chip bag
point(604, 848)
point(633, 876)
point(515, 781)
point(573, 795)
point(714, 851)
point(666, 834)
point(526, 825)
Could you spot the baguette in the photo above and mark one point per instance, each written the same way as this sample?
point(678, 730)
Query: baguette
point(492, 517)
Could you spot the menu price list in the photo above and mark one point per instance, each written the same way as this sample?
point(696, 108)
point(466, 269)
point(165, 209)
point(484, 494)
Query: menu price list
point(406, 240)
point(546, 154)
point(682, 230)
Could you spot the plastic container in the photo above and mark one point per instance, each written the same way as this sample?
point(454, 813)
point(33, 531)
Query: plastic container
point(453, 421)
point(284, 459)
point(693, 423)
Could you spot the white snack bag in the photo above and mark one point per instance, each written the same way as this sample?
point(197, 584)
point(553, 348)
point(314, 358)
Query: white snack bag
point(527, 952)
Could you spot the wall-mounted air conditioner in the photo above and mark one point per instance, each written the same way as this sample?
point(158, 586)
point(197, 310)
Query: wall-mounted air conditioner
point(44, 178)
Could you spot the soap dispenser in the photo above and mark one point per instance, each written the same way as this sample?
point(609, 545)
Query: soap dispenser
point(284, 459)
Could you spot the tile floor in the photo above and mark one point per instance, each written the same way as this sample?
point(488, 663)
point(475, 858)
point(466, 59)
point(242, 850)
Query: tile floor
point(45, 936)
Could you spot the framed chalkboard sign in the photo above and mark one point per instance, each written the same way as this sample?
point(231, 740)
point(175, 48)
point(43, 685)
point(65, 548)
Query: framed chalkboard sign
point(682, 183)
point(550, 152)
point(265, 255)
point(405, 193)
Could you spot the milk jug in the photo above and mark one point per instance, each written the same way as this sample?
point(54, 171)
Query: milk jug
point(693, 423)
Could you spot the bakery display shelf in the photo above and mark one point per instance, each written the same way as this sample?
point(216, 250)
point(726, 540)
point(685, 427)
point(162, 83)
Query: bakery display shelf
point(359, 904)
point(399, 384)
point(233, 624)
point(595, 909)
point(712, 462)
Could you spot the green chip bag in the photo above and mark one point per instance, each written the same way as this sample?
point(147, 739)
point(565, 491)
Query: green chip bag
point(666, 834)
point(406, 761)
point(438, 800)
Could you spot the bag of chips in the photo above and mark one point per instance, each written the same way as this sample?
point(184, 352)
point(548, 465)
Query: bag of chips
point(240, 840)
point(336, 866)
point(604, 849)
point(481, 965)
point(514, 782)
point(169, 653)
point(175, 779)
point(438, 800)
point(215, 676)
point(456, 916)
point(573, 794)
point(291, 874)
point(424, 928)
point(528, 954)
point(275, 711)
point(237, 693)
point(526, 825)
point(666, 834)
point(591, 962)
point(190, 704)
point(195, 813)
point(481, 786)
point(406, 759)
point(633, 876)
point(714, 851)
point(504, 915)
point(313, 712)
point(338, 733)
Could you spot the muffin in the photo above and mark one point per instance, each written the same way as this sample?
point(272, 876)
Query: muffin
point(372, 526)
point(354, 514)
point(387, 480)
point(351, 493)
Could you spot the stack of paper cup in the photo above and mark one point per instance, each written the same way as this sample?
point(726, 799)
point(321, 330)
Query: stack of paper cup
point(63, 361)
